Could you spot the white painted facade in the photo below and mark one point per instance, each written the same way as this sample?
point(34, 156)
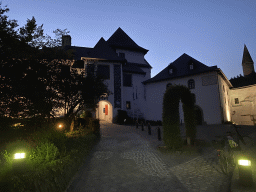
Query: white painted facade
point(243, 105)
point(206, 92)
point(215, 97)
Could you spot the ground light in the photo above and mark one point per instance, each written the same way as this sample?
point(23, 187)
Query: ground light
point(19, 155)
point(19, 161)
point(245, 172)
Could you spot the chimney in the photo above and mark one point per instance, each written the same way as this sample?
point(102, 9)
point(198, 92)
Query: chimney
point(66, 40)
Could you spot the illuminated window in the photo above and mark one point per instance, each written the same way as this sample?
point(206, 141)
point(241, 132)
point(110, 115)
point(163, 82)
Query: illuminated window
point(128, 105)
point(191, 84)
point(236, 101)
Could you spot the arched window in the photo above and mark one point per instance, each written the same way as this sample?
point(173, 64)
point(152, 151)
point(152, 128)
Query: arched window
point(168, 85)
point(191, 84)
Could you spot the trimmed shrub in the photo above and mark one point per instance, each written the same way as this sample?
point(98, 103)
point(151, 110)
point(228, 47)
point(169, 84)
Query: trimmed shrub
point(171, 118)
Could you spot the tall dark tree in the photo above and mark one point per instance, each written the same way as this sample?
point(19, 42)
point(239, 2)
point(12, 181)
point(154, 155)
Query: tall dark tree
point(36, 77)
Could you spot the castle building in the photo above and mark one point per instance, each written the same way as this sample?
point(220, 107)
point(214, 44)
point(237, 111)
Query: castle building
point(128, 76)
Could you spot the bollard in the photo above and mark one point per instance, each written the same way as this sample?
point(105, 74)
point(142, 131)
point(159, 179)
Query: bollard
point(149, 129)
point(137, 124)
point(245, 172)
point(142, 126)
point(159, 133)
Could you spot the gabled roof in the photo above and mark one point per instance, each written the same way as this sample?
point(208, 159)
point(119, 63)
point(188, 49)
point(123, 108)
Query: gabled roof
point(246, 56)
point(121, 40)
point(181, 68)
point(103, 51)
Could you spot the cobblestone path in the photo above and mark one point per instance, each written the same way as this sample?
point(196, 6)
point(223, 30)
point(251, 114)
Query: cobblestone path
point(125, 161)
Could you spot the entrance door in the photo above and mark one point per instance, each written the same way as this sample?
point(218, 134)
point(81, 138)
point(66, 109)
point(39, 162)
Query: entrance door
point(106, 109)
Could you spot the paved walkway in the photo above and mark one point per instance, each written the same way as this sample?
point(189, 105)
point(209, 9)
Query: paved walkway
point(126, 159)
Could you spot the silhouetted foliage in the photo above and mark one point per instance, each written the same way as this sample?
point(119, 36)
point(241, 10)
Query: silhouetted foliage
point(171, 118)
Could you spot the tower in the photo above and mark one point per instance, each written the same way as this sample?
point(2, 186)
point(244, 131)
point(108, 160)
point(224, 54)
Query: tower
point(247, 62)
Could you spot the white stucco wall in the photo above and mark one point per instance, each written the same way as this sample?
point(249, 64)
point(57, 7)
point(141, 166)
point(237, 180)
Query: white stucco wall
point(112, 112)
point(245, 110)
point(132, 56)
point(206, 97)
point(224, 90)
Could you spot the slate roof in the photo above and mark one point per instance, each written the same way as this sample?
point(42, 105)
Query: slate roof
point(246, 56)
point(241, 81)
point(121, 40)
point(181, 68)
point(106, 50)
point(133, 68)
point(79, 51)
point(103, 51)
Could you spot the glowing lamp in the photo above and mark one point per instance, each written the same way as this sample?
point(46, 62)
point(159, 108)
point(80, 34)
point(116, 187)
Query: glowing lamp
point(19, 155)
point(60, 125)
point(244, 162)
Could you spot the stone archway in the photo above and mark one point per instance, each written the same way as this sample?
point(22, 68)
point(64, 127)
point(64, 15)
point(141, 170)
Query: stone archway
point(104, 111)
point(199, 115)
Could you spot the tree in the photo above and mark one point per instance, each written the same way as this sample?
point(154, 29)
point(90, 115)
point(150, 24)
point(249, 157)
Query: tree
point(36, 76)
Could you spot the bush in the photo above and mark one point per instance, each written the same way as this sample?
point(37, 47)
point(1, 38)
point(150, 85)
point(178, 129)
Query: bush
point(94, 125)
point(44, 152)
point(52, 135)
point(86, 113)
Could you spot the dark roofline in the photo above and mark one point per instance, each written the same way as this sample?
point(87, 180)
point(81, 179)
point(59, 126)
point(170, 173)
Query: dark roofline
point(178, 77)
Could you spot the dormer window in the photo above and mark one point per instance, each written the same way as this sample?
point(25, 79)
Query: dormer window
point(122, 55)
point(170, 71)
point(191, 66)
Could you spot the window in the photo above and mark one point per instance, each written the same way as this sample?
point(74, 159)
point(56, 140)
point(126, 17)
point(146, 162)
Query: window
point(168, 85)
point(122, 55)
point(191, 66)
point(128, 105)
point(191, 84)
point(223, 88)
point(127, 80)
point(103, 71)
point(170, 71)
point(236, 101)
